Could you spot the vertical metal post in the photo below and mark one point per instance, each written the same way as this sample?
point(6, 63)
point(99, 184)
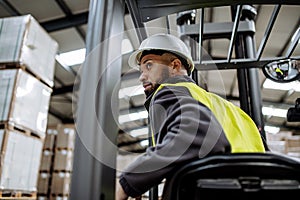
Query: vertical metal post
point(153, 192)
point(254, 87)
point(241, 73)
point(93, 175)
point(254, 90)
point(242, 77)
point(188, 17)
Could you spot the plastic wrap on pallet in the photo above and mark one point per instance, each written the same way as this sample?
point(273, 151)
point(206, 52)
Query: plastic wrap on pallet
point(63, 160)
point(21, 156)
point(23, 40)
point(66, 136)
point(24, 100)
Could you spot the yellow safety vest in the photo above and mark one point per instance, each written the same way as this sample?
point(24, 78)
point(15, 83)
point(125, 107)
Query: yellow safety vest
point(239, 128)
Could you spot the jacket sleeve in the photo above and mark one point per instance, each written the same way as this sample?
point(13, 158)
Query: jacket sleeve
point(184, 129)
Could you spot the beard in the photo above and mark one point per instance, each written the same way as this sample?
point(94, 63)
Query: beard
point(165, 74)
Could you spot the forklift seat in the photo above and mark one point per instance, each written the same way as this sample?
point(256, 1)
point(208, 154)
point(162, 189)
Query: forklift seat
point(237, 176)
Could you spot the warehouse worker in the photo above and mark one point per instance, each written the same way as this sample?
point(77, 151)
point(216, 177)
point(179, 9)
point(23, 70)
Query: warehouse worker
point(187, 122)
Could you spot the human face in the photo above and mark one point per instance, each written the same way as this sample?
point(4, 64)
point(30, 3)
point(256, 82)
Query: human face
point(154, 70)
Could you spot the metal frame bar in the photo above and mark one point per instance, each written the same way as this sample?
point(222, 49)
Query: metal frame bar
point(217, 29)
point(236, 63)
point(293, 43)
point(152, 9)
point(234, 32)
point(241, 72)
point(134, 12)
point(267, 32)
point(201, 30)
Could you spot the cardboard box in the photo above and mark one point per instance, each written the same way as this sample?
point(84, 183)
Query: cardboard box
point(63, 160)
point(66, 136)
point(43, 183)
point(60, 183)
point(24, 100)
point(50, 138)
point(46, 161)
point(24, 41)
point(278, 136)
point(20, 161)
point(42, 197)
point(59, 198)
point(293, 141)
point(277, 146)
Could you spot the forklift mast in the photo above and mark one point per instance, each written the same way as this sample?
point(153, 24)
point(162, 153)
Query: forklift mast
point(94, 170)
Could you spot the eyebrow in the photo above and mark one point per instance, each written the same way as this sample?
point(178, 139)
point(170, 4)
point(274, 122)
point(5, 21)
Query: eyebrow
point(146, 60)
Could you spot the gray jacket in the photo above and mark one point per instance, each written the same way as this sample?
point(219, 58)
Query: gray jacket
point(184, 130)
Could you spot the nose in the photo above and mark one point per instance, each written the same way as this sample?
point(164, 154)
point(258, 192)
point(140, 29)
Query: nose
point(143, 77)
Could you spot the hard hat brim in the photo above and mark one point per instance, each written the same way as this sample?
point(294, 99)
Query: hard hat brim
point(132, 61)
point(134, 57)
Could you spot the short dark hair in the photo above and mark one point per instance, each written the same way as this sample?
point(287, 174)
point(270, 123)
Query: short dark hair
point(161, 52)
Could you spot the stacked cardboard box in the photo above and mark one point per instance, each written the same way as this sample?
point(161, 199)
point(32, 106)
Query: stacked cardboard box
point(25, 43)
point(27, 58)
point(24, 101)
point(56, 171)
point(46, 167)
point(285, 142)
point(293, 146)
point(20, 162)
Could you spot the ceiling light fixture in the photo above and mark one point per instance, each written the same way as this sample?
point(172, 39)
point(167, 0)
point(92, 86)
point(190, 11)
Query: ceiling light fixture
point(139, 132)
point(71, 58)
point(277, 112)
point(131, 91)
point(77, 57)
point(133, 117)
point(269, 84)
point(272, 129)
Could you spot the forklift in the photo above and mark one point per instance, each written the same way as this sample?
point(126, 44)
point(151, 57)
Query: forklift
point(238, 176)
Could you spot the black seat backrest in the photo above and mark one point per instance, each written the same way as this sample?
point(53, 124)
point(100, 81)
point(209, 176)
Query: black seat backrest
point(237, 176)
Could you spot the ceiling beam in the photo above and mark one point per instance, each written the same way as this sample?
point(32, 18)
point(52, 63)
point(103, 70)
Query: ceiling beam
point(66, 22)
point(63, 90)
point(65, 8)
point(9, 8)
point(60, 116)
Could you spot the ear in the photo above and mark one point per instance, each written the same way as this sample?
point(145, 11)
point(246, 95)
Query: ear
point(176, 64)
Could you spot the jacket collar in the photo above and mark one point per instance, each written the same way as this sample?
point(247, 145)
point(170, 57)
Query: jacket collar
point(172, 80)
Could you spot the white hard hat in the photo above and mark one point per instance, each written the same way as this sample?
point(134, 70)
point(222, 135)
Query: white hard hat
point(165, 42)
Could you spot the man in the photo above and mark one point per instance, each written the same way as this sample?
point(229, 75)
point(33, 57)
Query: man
point(187, 123)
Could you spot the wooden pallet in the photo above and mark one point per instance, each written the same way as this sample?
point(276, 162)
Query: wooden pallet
point(63, 148)
point(18, 128)
point(10, 194)
point(24, 68)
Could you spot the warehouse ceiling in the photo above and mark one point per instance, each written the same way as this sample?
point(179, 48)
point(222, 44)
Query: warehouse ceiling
point(66, 22)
